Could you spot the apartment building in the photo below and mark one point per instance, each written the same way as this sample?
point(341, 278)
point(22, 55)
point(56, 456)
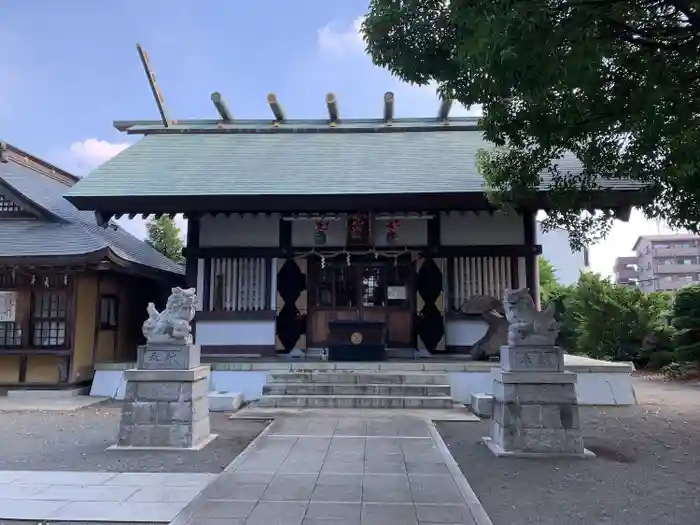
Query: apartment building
point(626, 270)
point(666, 262)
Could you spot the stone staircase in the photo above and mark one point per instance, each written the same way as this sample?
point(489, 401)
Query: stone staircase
point(356, 389)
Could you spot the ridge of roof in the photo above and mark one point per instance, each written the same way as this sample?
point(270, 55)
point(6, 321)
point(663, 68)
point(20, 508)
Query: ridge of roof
point(355, 125)
point(37, 164)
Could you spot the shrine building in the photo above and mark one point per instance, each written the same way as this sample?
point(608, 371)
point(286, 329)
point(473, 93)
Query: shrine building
point(305, 234)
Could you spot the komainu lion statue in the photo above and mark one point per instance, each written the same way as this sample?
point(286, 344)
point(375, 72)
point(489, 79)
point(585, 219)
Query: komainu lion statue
point(173, 323)
point(528, 325)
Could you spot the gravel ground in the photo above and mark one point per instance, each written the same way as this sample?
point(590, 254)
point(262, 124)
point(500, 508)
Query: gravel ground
point(77, 441)
point(647, 469)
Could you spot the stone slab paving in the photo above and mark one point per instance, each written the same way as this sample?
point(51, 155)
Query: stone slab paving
point(97, 496)
point(343, 471)
point(458, 413)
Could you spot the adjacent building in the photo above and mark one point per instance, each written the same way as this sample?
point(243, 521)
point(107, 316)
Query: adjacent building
point(667, 262)
point(625, 270)
point(72, 292)
point(567, 263)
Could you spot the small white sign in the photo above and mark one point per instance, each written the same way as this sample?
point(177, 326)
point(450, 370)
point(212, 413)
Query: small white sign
point(396, 293)
point(8, 306)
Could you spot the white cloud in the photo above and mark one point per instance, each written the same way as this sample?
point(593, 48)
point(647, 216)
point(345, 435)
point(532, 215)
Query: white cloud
point(88, 154)
point(341, 39)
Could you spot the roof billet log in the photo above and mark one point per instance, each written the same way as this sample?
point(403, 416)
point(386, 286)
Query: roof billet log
point(275, 107)
point(444, 111)
point(388, 107)
point(332, 103)
point(221, 107)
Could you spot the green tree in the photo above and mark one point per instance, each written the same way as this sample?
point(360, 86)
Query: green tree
point(613, 322)
point(614, 82)
point(164, 236)
point(548, 280)
point(686, 321)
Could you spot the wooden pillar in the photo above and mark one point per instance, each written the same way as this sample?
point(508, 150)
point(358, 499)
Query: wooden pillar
point(285, 236)
point(191, 251)
point(192, 259)
point(532, 274)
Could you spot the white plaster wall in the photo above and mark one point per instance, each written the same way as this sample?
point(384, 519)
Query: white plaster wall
point(592, 388)
point(556, 249)
point(411, 232)
point(483, 229)
point(235, 332)
point(235, 230)
point(464, 332)
point(598, 388)
point(304, 232)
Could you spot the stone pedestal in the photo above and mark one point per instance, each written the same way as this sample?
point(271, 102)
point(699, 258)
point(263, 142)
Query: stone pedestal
point(165, 404)
point(535, 412)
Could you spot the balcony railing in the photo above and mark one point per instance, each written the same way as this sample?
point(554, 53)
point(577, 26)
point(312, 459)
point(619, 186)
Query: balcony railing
point(676, 251)
point(677, 268)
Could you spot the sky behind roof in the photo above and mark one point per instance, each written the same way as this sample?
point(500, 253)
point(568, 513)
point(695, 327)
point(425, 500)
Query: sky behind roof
point(69, 68)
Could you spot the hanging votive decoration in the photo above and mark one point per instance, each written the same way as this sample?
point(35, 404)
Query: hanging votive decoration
point(348, 259)
point(33, 281)
point(321, 227)
point(357, 228)
point(46, 282)
point(392, 230)
point(323, 262)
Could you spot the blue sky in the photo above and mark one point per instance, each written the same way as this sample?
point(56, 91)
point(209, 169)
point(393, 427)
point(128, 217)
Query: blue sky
point(69, 68)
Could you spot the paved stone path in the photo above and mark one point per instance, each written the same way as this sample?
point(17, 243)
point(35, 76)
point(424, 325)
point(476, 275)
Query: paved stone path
point(349, 471)
point(97, 496)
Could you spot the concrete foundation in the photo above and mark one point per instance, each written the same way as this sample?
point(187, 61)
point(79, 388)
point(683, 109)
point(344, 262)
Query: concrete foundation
point(166, 407)
point(535, 412)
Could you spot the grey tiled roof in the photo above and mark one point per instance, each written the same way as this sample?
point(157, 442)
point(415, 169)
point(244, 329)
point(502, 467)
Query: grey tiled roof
point(78, 232)
point(299, 163)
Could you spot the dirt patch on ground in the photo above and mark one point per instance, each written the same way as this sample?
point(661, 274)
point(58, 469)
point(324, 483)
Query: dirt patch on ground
point(647, 470)
point(78, 441)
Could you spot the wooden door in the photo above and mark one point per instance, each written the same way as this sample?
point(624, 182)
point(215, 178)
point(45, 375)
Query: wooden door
point(371, 291)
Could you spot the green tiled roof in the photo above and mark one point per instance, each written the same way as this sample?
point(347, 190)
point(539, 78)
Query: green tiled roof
point(441, 160)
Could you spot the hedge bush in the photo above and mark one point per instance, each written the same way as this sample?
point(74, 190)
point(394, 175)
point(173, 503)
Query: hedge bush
point(600, 319)
point(686, 321)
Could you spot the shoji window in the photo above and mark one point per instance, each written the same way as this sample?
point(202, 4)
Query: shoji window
point(470, 276)
point(239, 284)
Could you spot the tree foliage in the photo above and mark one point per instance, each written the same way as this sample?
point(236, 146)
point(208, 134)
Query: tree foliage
point(603, 320)
point(614, 82)
point(548, 280)
point(686, 321)
point(164, 236)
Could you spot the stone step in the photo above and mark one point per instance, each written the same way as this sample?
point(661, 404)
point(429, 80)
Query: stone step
point(318, 401)
point(355, 389)
point(359, 377)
